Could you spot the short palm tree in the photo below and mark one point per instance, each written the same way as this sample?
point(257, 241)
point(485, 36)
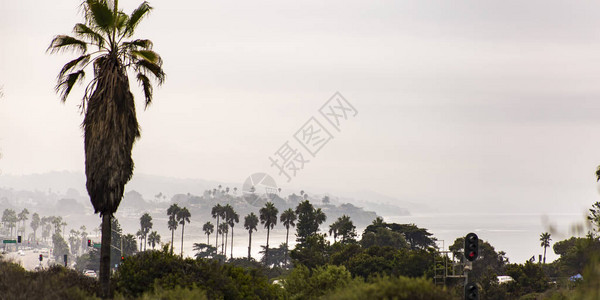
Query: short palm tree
point(183, 216)
point(545, 242)
point(110, 124)
point(250, 223)
point(153, 239)
point(287, 218)
point(268, 217)
point(208, 228)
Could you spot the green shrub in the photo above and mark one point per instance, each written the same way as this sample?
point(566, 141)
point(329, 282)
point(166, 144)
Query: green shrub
point(303, 283)
point(141, 273)
point(55, 282)
point(399, 288)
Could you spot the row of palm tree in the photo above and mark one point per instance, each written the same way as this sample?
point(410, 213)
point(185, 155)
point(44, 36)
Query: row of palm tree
point(177, 216)
point(267, 217)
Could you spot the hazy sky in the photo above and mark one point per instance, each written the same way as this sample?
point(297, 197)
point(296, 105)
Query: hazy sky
point(486, 103)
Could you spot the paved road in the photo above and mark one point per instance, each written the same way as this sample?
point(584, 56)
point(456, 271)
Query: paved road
point(29, 260)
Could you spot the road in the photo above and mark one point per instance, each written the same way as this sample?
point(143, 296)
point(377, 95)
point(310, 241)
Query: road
point(29, 260)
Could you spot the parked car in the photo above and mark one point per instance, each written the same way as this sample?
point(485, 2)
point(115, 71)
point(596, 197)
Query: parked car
point(90, 273)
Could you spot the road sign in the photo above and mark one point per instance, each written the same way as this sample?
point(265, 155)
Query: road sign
point(97, 245)
point(9, 241)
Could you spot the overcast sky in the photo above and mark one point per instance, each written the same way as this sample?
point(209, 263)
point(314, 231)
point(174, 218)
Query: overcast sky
point(492, 104)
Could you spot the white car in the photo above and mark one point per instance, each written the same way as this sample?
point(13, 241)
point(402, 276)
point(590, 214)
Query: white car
point(90, 273)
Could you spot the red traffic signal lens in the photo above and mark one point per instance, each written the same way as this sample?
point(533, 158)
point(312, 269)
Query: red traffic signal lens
point(471, 254)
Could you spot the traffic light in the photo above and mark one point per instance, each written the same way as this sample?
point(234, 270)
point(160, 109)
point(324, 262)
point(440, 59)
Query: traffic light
point(471, 291)
point(89, 243)
point(41, 257)
point(19, 239)
point(471, 247)
point(122, 258)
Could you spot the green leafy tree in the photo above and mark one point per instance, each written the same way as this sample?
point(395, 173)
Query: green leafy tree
point(346, 229)
point(287, 218)
point(545, 242)
point(22, 217)
point(183, 216)
point(250, 223)
point(208, 229)
point(110, 123)
point(205, 251)
point(268, 217)
point(145, 226)
point(309, 220)
point(303, 283)
point(60, 246)
point(35, 224)
point(528, 278)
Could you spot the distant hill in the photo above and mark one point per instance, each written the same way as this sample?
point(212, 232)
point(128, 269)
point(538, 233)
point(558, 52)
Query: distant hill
point(151, 189)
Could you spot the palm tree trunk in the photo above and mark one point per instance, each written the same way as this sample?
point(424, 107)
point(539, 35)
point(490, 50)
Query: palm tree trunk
point(231, 252)
point(172, 236)
point(267, 250)
point(544, 254)
point(105, 257)
point(226, 238)
point(208, 239)
point(222, 242)
point(145, 242)
point(249, 244)
point(287, 233)
point(217, 236)
point(182, 228)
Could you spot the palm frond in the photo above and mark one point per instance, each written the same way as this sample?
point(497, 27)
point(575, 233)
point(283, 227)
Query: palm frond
point(144, 66)
point(80, 61)
point(65, 42)
point(91, 35)
point(136, 16)
point(121, 24)
point(66, 85)
point(148, 55)
point(141, 43)
point(147, 86)
point(100, 15)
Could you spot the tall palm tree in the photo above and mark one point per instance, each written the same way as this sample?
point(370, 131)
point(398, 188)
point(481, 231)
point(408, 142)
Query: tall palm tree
point(110, 124)
point(216, 213)
point(145, 225)
point(250, 223)
point(208, 228)
point(231, 218)
point(545, 242)
point(268, 217)
point(153, 239)
point(287, 218)
point(183, 216)
point(172, 224)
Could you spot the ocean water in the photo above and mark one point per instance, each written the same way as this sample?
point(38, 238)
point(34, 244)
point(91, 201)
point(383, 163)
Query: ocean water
point(516, 234)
